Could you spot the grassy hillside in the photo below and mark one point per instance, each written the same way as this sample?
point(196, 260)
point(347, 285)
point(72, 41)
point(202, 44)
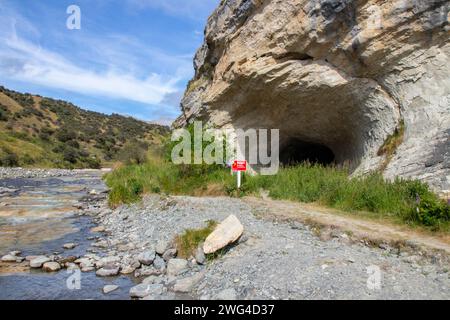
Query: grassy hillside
point(41, 132)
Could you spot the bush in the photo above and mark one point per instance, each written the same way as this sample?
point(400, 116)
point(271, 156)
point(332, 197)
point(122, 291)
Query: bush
point(70, 155)
point(66, 135)
point(133, 153)
point(9, 159)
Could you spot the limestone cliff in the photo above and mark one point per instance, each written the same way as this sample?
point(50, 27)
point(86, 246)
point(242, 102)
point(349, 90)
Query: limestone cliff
point(342, 74)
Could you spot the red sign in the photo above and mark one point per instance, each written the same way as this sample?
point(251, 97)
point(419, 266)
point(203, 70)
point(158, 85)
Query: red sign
point(239, 165)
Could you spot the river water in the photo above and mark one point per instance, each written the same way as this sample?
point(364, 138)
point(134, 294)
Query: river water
point(38, 218)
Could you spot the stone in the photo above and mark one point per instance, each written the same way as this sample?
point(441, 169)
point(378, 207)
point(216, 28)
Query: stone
point(38, 261)
point(186, 285)
point(69, 246)
point(162, 246)
point(199, 255)
point(143, 290)
point(227, 294)
point(9, 258)
point(159, 263)
point(169, 254)
point(109, 288)
point(107, 272)
point(176, 267)
point(300, 66)
point(98, 229)
point(147, 257)
point(127, 269)
point(227, 232)
point(107, 261)
point(51, 266)
point(15, 253)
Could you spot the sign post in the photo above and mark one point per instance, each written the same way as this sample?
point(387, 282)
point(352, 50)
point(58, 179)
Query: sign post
point(239, 166)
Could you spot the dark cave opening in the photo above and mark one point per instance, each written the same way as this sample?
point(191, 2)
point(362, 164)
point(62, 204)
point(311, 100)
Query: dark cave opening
point(296, 151)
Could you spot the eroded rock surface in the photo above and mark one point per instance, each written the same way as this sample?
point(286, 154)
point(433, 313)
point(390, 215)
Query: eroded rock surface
point(339, 74)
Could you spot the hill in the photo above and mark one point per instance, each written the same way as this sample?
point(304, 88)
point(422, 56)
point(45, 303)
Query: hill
point(37, 131)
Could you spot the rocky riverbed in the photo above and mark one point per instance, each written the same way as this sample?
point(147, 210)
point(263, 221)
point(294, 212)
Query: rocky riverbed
point(271, 260)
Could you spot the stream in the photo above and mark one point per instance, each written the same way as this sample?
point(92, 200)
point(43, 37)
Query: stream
point(38, 217)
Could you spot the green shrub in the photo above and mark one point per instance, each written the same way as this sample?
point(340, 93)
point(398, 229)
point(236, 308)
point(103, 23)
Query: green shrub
point(189, 241)
point(9, 159)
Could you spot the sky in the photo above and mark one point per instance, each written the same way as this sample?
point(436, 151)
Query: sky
point(132, 57)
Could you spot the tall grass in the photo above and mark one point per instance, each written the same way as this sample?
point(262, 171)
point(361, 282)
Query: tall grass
point(406, 201)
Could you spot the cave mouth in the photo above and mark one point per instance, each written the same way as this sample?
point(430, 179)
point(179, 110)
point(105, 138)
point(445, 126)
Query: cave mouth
point(296, 151)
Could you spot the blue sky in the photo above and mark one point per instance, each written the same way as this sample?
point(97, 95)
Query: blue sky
point(132, 57)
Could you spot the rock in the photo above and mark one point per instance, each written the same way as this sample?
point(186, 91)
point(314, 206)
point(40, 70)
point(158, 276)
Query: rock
point(169, 254)
point(200, 255)
point(127, 269)
point(9, 258)
point(187, 284)
point(64, 260)
point(176, 267)
point(38, 261)
point(109, 288)
point(29, 258)
point(98, 229)
point(299, 65)
point(107, 261)
point(143, 290)
point(159, 263)
point(145, 271)
point(162, 246)
point(69, 246)
point(51, 266)
point(227, 232)
point(227, 294)
point(147, 257)
point(15, 253)
point(152, 279)
point(87, 268)
point(107, 272)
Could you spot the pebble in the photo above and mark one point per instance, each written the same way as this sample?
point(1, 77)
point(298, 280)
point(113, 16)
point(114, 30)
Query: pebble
point(51, 266)
point(38, 261)
point(176, 267)
point(143, 290)
point(109, 288)
point(104, 272)
point(69, 246)
point(147, 257)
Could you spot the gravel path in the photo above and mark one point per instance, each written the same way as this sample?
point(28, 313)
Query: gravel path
point(278, 260)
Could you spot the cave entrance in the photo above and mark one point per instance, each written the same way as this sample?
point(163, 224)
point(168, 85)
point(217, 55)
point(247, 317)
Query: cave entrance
point(297, 151)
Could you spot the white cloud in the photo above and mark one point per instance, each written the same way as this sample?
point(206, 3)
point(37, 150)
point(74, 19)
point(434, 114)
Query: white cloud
point(39, 66)
point(122, 75)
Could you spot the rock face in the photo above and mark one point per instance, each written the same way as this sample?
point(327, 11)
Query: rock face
point(228, 231)
point(337, 77)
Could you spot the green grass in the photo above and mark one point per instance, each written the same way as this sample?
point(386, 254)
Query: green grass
point(189, 241)
point(128, 183)
point(401, 201)
point(391, 144)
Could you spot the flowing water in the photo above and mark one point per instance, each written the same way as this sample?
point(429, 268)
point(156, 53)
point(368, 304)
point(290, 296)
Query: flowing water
point(38, 218)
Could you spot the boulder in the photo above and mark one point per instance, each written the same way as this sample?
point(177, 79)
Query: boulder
point(38, 261)
point(227, 232)
point(176, 267)
point(169, 254)
point(143, 290)
point(199, 255)
point(187, 284)
point(69, 246)
point(107, 272)
point(9, 258)
point(162, 246)
point(109, 288)
point(51, 266)
point(147, 257)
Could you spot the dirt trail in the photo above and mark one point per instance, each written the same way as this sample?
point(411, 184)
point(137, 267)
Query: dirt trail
point(330, 219)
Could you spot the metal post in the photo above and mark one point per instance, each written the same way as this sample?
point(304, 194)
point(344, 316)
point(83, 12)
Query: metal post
point(239, 179)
